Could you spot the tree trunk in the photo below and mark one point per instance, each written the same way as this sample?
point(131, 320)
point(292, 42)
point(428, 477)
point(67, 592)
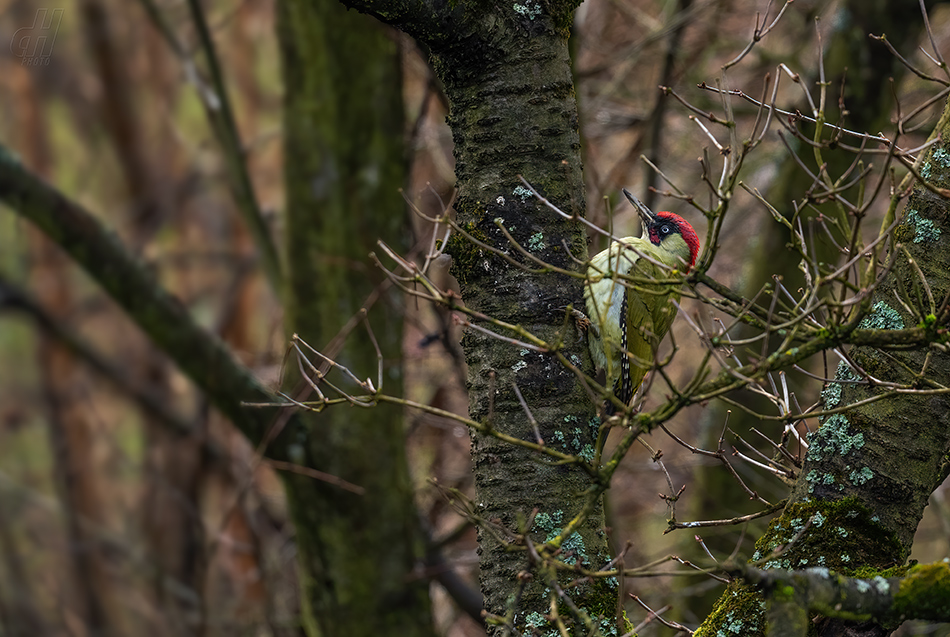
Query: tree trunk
point(344, 164)
point(513, 112)
point(507, 74)
point(173, 465)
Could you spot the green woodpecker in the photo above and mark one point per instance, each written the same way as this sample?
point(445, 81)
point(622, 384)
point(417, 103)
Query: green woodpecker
point(630, 317)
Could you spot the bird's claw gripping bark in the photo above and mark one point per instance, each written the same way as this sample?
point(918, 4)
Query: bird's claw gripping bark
point(583, 323)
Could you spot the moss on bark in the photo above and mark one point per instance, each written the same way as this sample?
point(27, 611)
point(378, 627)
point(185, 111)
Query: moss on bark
point(344, 164)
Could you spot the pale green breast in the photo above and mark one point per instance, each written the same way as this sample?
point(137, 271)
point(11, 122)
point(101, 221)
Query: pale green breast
point(650, 311)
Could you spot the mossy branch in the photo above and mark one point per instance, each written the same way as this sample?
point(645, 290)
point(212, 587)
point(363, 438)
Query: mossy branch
point(199, 354)
point(922, 593)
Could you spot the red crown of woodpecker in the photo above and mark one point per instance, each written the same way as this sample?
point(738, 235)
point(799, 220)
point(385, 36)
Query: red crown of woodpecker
point(682, 226)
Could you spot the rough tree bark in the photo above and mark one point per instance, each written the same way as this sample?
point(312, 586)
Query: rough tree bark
point(507, 74)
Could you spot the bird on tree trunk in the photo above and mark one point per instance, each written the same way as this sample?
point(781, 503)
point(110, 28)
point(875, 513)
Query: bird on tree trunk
point(630, 292)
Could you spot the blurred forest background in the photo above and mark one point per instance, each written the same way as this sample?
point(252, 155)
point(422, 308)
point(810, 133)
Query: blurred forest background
point(105, 512)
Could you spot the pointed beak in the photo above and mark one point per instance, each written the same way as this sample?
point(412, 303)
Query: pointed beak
point(646, 215)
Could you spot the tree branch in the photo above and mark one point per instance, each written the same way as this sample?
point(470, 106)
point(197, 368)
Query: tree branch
point(200, 355)
point(425, 20)
point(920, 594)
point(13, 298)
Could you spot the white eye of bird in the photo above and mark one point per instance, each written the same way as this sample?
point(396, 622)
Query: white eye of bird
point(665, 229)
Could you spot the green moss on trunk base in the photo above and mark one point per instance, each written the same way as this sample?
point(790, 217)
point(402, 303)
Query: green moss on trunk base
point(740, 611)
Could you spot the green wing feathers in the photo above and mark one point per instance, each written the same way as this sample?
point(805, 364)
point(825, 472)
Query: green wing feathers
point(626, 349)
point(650, 308)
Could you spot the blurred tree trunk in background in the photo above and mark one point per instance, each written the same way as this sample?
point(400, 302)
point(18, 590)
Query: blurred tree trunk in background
point(174, 466)
point(71, 424)
point(21, 613)
point(344, 165)
point(72, 439)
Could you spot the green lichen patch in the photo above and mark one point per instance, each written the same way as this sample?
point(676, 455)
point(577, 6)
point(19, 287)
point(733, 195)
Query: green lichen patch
point(535, 620)
point(840, 536)
point(940, 157)
point(548, 523)
point(572, 436)
point(599, 613)
point(925, 230)
point(528, 10)
point(831, 395)
point(814, 478)
point(833, 437)
point(520, 191)
point(575, 544)
point(860, 476)
point(845, 373)
point(536, 242)
point(882, 317)
point(551, 524)
point(608, 626)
